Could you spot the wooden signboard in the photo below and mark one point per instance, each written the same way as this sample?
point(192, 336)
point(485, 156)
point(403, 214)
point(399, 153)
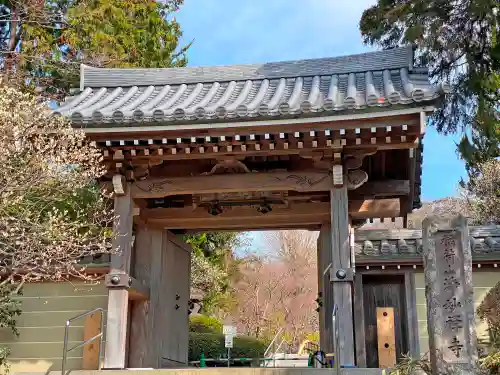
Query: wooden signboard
point(386, 337)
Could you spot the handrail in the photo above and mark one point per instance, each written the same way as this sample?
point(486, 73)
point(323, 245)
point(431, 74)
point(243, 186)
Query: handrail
point(272, 342)
point(98, 336)
point(336, 342)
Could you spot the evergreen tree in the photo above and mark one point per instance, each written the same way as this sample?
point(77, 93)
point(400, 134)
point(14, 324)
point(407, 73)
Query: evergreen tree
point(459, 40)
point(43, 42)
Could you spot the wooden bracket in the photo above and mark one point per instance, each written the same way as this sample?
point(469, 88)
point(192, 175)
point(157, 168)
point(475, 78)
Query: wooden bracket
point(137, 291)
point(119, 184)
point(229, 165)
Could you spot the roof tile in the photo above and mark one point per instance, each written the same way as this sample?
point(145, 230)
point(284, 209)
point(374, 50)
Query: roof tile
point(317, 86)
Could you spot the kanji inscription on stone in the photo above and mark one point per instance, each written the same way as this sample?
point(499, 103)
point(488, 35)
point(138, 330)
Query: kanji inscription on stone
point(454, 322)
point(456, 347)
point(450, 309)
point(452, 304)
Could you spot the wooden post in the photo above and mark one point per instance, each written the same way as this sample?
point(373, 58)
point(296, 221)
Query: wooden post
point(324, 262)
point(359, 321)
point(118, 298)
point(342, 281)
point(91, 328)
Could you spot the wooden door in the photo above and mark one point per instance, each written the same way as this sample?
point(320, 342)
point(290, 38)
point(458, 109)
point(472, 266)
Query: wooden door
point(384, 291)
point(160, 326)
point(175, 281)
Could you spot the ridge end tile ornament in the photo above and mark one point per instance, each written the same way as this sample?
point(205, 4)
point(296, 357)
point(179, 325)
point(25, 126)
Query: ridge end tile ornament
point(449, 294)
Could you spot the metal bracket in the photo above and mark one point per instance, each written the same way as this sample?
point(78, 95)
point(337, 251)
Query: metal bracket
point(137, 291)
point(341, 275)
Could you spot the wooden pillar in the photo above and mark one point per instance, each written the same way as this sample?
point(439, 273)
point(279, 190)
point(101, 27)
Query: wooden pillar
point(324, 262)
point(342, 283)
point(359, 321)
point(118, 297)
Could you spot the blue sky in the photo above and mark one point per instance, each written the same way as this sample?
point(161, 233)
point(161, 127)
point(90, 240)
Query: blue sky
point(253, 31)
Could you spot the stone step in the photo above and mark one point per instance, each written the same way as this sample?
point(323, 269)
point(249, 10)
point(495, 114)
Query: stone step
point(218, 371)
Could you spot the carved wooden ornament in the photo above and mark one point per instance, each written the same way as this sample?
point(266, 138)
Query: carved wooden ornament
point(356, 178)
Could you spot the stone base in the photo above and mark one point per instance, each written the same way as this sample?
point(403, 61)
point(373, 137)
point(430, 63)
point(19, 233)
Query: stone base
point(218, 371)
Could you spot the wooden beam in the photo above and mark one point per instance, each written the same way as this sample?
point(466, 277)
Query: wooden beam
point(298, 214)
point(374, 208)
point(137, 290)
point(141, 159)
point(385, 188)
point(227, 183)
point(238, 217)
point(412, 120)
point(118, 298)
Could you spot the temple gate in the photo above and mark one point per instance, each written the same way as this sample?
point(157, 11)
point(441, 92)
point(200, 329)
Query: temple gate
point(321, 144)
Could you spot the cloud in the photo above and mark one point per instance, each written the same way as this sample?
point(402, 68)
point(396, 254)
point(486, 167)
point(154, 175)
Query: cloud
point(246, 31)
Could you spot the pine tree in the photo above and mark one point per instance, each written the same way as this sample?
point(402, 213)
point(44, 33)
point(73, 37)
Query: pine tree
point(459, 41)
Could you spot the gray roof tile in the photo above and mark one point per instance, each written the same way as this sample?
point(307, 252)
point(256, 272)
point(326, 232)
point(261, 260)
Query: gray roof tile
point(400, 243)
point(272, 90)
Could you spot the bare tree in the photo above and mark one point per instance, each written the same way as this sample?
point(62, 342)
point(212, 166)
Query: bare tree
point(278, 291)
point(483, 193)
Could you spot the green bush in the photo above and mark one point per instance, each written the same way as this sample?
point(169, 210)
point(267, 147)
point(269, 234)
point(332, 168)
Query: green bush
point(204, 324)
point(212, 345)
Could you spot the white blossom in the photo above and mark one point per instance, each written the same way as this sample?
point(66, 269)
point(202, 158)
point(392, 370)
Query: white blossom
point(51, 210)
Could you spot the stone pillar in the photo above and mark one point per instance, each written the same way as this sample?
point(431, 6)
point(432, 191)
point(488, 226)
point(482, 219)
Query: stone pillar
point(449, 294)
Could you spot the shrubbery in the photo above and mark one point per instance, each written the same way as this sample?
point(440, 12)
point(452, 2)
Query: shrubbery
point(212, 345)
point(204, 324)
point(205, 336)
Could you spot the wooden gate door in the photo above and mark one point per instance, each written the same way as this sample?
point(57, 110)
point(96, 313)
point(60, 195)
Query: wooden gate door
point(381, 291)
point(160, 326)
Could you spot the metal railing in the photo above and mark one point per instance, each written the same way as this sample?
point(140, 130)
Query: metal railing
point(272, 342)
point(336, 341)
point(272, 346)
point(98, 336)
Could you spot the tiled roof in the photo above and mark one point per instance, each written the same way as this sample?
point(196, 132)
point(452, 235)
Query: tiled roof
point(272, 90)
point(407, 243)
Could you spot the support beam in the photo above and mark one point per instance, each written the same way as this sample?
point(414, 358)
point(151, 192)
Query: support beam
point(228, 183)
point(342, 260)
point(384, 188)
point(118, 300)
point(136, 289)
point(305, 214)
point(254, 182)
